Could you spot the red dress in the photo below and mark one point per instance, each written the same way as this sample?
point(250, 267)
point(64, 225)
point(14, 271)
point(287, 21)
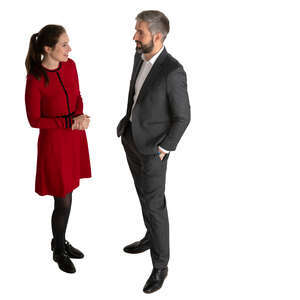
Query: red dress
point(63, 155)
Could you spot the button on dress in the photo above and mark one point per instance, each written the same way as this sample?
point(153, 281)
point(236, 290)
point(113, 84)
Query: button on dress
point(63, 155)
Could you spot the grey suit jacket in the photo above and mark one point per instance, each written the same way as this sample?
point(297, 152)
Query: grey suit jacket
point(162, 110)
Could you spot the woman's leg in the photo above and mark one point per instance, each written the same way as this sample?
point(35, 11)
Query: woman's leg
point(59, 221)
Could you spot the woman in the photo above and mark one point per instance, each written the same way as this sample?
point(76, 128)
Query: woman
point(54, 105)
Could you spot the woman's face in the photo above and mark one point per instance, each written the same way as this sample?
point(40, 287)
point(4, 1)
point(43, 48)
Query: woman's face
point(60, 51)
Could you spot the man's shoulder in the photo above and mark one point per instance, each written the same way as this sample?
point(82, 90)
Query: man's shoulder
point(170, 64)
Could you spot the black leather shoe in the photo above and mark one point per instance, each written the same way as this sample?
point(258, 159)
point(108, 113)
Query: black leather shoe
point(155, 280)
point(137, 247)
point(73, 252)
point(64, 262)
point(70, 250)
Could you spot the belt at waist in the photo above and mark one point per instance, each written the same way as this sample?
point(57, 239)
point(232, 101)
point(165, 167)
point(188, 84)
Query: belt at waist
point(68, 119)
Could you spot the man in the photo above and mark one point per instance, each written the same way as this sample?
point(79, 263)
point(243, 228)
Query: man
point(158, 113)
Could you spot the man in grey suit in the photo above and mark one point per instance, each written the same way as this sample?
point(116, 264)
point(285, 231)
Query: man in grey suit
point(158, 113)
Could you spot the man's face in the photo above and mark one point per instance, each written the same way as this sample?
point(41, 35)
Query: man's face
point(143, 38)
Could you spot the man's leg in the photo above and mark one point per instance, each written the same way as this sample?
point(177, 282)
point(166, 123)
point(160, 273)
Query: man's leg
point(135, 161)
point(149, 174)
point(153, 178)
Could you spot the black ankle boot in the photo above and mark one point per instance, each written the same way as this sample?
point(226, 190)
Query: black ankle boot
point(63, 261)
point(71, 251)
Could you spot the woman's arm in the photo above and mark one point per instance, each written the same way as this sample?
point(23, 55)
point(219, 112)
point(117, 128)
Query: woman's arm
point(79, 103)
point(33, 109)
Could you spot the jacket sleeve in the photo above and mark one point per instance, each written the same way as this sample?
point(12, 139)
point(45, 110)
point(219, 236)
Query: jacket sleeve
point(33, 108)
point(79, 103)
point(179, 108)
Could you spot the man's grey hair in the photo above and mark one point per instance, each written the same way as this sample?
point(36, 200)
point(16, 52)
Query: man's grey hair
point(156, 20)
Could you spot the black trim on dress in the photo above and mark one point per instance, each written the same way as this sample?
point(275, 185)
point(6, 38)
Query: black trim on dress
point(67, 97)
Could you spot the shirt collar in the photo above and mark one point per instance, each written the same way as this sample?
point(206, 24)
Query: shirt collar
point(154, 57)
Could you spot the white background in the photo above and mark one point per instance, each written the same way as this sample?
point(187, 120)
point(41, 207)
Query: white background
point(232, 184)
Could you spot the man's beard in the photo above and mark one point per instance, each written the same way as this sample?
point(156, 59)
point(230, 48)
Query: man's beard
point(145, 48)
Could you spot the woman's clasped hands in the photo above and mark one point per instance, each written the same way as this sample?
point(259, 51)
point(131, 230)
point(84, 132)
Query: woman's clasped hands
point(81, 122)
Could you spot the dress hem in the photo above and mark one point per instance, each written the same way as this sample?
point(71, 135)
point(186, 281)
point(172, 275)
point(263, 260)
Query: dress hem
point(50, 194)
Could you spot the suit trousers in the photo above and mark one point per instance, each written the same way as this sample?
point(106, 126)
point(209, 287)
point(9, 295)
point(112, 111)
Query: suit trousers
point(149, 175)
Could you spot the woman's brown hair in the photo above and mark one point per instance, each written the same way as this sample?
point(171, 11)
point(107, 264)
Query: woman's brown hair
point(47, 36)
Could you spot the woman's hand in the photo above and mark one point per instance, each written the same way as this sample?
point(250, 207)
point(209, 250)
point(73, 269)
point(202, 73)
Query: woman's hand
point(81, 122)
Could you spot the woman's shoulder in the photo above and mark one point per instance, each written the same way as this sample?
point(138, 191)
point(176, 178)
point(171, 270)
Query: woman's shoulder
point(32, 79)
point(70, 62)
point(70, 65)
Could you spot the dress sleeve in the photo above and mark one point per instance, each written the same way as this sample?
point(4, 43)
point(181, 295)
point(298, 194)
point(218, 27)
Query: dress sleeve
point(79, 103)
point(33, 108)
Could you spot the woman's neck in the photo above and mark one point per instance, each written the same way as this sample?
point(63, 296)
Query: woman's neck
point(50, 63)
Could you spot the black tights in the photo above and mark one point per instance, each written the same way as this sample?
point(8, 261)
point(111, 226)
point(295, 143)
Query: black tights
point(59, 221)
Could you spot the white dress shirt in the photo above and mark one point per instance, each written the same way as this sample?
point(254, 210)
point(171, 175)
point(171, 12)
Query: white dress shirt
point(144, 71)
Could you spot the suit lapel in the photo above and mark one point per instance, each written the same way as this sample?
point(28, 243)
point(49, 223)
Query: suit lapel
point(136, 68)
point(155, 70)
point(153, 74)
point(135, 73)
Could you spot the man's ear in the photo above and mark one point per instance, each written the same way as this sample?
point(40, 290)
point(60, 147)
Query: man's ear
point(158, 37)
